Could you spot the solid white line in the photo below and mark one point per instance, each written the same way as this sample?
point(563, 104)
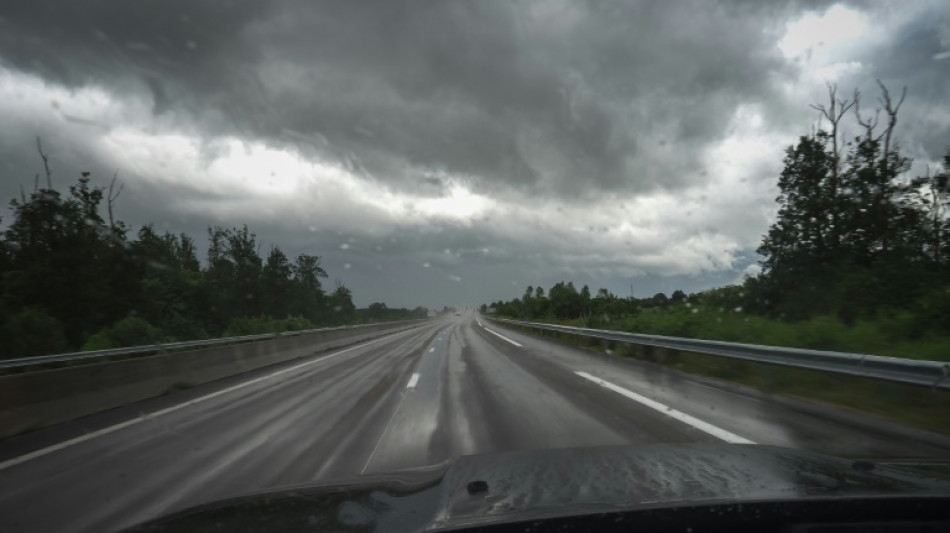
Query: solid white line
point(412, 381)
point(503, 337)
point(106, 430)
point(479, 323)
point(669, 411)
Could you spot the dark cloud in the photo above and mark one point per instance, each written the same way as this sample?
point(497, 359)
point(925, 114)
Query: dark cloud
point(564, 99)
point(527, 104)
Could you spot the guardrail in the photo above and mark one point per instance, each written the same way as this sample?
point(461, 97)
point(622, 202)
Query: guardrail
point(168, 347)
point(929, 373)
point(30, 400)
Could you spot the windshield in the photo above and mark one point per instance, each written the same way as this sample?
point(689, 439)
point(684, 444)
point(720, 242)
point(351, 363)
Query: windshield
point(247, 245)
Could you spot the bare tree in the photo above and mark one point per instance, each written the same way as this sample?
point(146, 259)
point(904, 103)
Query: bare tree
point(834, 112)
point(869, 124)
point(49, 173)
point(111, 198)
point(891, 109)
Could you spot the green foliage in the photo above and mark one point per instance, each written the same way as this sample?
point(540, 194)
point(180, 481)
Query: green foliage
point(853, 234)
point(62, 256)
point(264, 324)
point(857, 260)
point(69, 279)
point(130, 331)
point(378, 312)
point(32, 331)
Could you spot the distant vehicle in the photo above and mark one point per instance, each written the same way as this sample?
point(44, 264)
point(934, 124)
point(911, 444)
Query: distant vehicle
point(458, 314)
point(719, 487)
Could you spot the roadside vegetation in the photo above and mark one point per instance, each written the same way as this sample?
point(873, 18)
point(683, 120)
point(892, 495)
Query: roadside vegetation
point(73, 277)
point(858, 259)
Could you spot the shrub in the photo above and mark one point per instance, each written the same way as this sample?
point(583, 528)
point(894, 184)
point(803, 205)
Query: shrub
point(130, 331)
point(31, 332)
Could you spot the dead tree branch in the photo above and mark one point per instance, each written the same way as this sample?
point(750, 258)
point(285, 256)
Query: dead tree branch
point(113, 197)
point(834, 112)
point(869, 124)
point(891, 111)
point(49, 173)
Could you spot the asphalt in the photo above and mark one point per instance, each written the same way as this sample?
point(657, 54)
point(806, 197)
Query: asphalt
point(447, 388)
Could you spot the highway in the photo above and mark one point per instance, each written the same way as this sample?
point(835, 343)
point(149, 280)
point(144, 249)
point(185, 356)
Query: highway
point(450, 387)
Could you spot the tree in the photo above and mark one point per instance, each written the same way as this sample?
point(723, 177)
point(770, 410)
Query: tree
point(659, 300)
point(70, 277)
point(341, 304)
point(849, 237)
point(170, 284)
point(247, 266)
point(276, 284)
point(930, 195)
point(564, 300)
point(310, 301)
point(64, 259)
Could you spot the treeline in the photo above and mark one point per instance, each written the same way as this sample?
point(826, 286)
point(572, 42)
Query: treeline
point(857, 245)
point(564, 301)
point(71, 278)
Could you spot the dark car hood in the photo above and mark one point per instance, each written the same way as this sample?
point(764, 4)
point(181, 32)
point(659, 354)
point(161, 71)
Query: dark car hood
point(511, 486)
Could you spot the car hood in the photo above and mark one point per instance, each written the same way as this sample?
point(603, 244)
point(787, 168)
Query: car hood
point(523, 485)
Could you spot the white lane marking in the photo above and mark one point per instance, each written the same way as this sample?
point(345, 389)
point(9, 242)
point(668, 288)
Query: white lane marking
point(412, 381)
point(669, 411)
point(479, 323)
point(110, 429)
point(432, 349)
point(503, 337)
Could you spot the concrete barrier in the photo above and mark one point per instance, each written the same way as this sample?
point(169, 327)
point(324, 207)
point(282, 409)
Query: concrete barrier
point(38, 399)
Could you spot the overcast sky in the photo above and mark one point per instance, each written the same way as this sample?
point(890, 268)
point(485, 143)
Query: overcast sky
point(441, 152)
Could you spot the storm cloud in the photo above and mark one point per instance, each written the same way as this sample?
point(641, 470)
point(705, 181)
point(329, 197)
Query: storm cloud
point(467, 145)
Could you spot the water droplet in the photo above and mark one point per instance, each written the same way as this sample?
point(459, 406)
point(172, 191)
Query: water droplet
point(426, 264)
point(456, 279)
point(312, 228)
point(346, 266)
point(345, 246)
point(738, 309)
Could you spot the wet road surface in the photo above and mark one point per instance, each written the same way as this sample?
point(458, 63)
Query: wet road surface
point(450, 387)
